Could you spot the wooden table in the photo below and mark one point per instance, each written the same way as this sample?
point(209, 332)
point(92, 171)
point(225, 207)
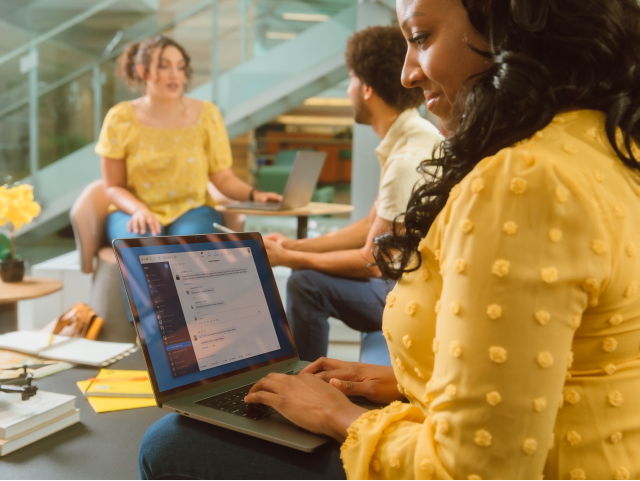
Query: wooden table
point(302, 213)
point(12, 292)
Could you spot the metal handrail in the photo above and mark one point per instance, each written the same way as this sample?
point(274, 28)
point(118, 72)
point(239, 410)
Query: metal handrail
point(55, 31)
point(89, 67)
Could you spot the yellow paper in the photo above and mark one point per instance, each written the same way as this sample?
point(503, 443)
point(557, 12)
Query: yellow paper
point(107, 404)
point(120, 389)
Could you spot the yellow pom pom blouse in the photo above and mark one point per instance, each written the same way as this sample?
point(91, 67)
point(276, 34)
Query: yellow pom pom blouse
point(523, 321)
point(167, 169)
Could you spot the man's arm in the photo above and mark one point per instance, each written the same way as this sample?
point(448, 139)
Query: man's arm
point(353, 236)
point(348, 263)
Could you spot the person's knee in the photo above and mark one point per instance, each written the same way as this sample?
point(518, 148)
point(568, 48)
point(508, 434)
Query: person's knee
point(301, 283)
point(155, 445)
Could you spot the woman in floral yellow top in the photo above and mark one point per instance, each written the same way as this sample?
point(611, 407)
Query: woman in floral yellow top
point(159, 151)
point(514, 328)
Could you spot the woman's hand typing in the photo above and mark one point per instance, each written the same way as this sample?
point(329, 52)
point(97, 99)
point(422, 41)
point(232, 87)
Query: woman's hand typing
point(376, 383)
point(266, 197)
point(308, 402)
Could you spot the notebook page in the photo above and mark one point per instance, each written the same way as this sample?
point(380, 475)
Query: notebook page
point(84, 351)
point(30, 342)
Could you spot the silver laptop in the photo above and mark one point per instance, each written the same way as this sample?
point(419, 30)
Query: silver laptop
point(211, 323)
point(300, 184)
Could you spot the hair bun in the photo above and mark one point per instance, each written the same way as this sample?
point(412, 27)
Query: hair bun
point(127, 63)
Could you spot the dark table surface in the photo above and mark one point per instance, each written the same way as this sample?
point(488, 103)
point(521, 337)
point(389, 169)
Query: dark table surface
point(100, 446)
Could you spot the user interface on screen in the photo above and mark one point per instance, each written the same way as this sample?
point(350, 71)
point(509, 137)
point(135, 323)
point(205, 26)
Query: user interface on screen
point(205, 309)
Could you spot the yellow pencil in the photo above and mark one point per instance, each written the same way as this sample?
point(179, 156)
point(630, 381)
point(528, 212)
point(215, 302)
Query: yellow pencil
point(50, 340)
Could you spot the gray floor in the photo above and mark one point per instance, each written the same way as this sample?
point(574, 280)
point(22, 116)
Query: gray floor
point(101, 446)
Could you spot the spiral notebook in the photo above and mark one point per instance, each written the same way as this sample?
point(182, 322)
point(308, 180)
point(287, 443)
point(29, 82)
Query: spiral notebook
point(76, 350)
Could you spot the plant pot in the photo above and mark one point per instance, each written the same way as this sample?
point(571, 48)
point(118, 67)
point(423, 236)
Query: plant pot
point(12, 270)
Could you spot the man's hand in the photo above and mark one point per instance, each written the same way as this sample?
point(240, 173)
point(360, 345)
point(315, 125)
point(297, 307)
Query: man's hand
point(376, 383)
point(277, 254)
point(283, 240)
point(308, 402)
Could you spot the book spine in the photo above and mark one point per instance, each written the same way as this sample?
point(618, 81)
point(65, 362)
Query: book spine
point(10, 445)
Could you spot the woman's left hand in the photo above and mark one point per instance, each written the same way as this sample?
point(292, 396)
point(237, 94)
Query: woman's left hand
point(266, 197)
point(308, 402)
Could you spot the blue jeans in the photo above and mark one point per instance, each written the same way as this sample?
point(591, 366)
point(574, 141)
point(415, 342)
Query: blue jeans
point(313, 296)
point(176, 447)
point(195, 221)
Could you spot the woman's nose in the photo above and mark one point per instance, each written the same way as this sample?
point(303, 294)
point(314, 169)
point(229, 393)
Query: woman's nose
point(412, 73)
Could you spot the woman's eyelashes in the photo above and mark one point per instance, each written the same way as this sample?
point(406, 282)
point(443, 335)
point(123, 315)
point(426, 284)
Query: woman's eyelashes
point(419, 40)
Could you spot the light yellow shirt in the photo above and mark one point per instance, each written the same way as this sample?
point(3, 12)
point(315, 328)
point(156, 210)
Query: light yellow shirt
point(517, 340)
point(409, 141)
point(167, 169)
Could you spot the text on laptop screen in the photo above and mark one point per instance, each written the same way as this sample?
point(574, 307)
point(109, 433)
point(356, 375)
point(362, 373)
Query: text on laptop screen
point(205, 312)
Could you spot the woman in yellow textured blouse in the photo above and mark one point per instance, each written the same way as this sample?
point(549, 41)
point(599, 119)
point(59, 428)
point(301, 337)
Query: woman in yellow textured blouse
point(159, 151)
point(514, 328)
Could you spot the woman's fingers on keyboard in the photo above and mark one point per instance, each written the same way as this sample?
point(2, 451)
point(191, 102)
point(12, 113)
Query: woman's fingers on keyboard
point(336, 373)
point(269, 383)
point(323, 364)
point(262, 397)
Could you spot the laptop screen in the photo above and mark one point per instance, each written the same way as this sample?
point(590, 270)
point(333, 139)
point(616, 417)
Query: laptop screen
point(205, 309)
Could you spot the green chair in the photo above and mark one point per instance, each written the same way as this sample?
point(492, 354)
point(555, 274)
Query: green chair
point(324, 194)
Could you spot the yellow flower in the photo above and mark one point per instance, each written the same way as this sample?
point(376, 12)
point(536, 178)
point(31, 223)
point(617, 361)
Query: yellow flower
point(17, 205)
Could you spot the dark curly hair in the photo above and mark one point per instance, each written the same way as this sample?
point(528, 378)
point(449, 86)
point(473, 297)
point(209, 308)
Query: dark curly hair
point(376, 57)
point(140, 53)
point(548, 56)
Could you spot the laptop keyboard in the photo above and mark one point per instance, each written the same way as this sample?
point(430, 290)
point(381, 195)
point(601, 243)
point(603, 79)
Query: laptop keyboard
point(232, 402)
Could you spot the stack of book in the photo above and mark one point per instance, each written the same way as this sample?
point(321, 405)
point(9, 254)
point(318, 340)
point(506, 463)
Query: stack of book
point(25, 422)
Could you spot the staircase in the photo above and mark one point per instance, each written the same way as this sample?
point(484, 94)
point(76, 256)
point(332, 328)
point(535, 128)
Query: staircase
point(248, 95)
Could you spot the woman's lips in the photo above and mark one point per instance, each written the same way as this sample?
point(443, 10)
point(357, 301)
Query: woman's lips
point(432, 100)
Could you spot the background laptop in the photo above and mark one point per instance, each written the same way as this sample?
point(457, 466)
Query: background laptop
point(211, 324)
point(300, 184)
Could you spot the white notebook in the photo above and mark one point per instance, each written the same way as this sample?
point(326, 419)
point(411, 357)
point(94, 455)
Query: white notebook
point(69, 349)
point(18, 416)
point(9, 445)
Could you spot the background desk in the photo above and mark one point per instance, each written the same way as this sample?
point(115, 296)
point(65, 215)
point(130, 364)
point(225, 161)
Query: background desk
point(100, 446)
point(302, 213)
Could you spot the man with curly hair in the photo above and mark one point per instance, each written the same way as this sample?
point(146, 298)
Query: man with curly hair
point(333, 274)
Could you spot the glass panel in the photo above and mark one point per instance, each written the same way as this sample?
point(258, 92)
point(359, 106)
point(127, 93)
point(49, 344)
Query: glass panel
point(194, 34)
point(14, 145)
point(66, 120)
point(278, 21)
point(14, 86)
point(229, 29)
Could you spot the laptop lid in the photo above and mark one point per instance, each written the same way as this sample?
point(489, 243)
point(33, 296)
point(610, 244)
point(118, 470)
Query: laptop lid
point(303, 179)
point(206, 307)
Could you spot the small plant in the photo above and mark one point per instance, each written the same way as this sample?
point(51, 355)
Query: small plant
point(5, 247)
point(17, 208)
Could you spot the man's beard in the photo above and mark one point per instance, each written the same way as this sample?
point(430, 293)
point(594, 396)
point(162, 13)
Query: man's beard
point(361, 113)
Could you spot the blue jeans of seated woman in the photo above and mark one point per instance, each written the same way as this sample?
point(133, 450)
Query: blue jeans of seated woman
point(195, 221)
point(176, 447)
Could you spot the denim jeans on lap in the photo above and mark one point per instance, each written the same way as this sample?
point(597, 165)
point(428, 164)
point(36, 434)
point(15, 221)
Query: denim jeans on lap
point(176, 447)
point(313, 297)
point(195, 221)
